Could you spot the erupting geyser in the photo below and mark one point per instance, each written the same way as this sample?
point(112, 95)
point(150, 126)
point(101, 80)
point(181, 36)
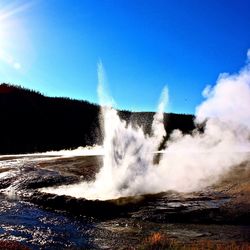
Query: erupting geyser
point(189, 162)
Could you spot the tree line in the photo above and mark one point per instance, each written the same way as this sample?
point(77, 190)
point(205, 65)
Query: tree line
point(33, 122)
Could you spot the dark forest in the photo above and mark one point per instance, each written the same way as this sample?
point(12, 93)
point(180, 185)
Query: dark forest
point(32, 122)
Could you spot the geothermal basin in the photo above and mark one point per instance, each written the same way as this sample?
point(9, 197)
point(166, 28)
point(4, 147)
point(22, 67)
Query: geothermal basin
point(218, 214)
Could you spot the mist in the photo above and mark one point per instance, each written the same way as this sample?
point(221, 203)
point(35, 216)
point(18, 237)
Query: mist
point(189, 162)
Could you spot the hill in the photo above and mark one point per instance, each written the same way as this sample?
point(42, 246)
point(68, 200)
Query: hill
point(32, 122)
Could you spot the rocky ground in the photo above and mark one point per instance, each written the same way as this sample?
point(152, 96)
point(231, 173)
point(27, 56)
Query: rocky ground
point(37, 220)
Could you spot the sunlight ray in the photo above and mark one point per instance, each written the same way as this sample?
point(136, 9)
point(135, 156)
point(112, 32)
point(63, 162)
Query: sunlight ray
point(8, 12)
point(12, 33)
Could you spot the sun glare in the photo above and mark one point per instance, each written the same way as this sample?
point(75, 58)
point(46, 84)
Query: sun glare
point(11, 33)
point(2, 33)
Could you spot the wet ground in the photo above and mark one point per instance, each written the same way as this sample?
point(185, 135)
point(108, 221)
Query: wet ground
point(46, 221)
point(35, 228)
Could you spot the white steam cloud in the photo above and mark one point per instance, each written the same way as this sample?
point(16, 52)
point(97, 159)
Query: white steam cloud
point(189, 162)
point(229, 99)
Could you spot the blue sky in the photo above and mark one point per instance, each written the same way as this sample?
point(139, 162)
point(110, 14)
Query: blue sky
point(54, 47)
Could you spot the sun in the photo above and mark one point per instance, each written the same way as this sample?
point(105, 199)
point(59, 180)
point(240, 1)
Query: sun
point(11, 33)
point(3, 32)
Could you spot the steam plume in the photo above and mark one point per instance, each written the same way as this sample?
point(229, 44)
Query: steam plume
point(189, 162)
